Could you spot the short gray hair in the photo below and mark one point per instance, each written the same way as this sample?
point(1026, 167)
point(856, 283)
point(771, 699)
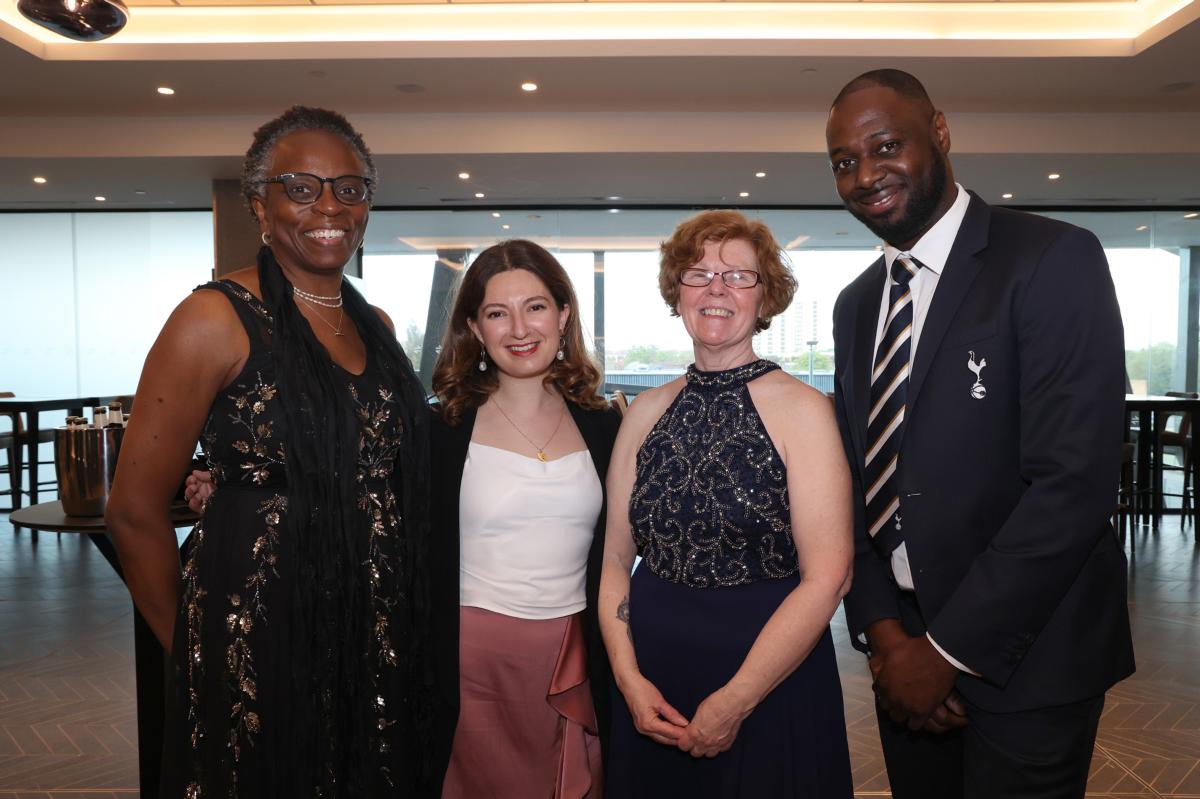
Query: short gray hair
point(298, 118)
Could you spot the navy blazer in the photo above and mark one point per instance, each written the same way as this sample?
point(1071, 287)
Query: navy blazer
point(449, 454)
point(1006, 494)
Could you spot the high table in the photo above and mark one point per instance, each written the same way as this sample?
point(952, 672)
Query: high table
point(1152, 412)
point(32, 407)
point(148, 655)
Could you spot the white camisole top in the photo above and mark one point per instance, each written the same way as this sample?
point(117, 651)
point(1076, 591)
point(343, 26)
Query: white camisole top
point(525, 528)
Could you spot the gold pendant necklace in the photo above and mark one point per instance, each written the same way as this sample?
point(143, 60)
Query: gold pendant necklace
point(337, 331)
point(541, 451)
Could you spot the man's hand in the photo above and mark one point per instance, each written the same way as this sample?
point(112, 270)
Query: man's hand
point(949, 715)
point(913, 681)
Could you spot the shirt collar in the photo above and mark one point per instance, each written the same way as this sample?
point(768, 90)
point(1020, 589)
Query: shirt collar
point(933, 249)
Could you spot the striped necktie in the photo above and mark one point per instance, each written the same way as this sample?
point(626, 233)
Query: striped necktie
point(885, 424)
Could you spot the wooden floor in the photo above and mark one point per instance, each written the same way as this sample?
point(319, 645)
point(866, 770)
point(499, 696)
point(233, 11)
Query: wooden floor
point(67, 726)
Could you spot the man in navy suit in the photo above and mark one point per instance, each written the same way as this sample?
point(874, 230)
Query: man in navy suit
point(979, 390)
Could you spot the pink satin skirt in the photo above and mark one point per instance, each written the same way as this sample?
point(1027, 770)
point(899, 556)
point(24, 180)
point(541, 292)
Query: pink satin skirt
point(526, 727)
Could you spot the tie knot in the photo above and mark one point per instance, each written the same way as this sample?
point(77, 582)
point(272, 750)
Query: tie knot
point(904, 268)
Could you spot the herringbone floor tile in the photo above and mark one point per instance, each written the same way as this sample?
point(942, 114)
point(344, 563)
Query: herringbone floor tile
point(68, 728)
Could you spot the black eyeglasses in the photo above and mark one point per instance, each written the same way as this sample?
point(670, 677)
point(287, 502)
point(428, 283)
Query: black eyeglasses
point(734, 278)
point(303, 188)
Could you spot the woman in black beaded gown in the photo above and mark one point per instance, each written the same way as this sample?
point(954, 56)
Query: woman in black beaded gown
point(732, 486)
point(298, 628)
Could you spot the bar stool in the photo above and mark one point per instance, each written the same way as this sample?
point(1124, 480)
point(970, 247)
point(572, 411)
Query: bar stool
point(1179, 439)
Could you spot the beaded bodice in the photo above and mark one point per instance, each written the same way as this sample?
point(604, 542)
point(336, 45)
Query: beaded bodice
point(710, 506)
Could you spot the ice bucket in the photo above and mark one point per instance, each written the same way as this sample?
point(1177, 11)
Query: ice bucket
point(86, 460)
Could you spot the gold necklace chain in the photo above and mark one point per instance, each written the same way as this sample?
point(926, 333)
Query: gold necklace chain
point(337, 331)
point(541, 451)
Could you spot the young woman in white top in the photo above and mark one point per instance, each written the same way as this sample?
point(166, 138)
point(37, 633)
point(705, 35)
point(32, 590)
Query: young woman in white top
point(520, 453)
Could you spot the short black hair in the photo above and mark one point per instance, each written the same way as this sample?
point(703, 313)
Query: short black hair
point(899, 81)
point(297, 118)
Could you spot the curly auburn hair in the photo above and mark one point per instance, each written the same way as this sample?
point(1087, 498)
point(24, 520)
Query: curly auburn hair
point(457, 381)
point(685, 248)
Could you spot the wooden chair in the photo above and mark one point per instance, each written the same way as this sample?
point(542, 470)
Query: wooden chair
point(10, 445)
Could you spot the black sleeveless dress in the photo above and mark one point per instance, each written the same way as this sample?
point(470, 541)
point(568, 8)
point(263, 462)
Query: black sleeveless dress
point(231, 724)
point(710, 517)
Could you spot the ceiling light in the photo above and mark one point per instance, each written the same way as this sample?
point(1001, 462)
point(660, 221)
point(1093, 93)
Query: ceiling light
point(479, 195)
point(1192, 215)
point(495, 214)
point(39, 180)
point(167, 90)
point(614, 210)
point(464, 175)
point(743, 194)
point(529, 86)
point(505, 227)
point(1054, 176)
point(1142, 228)
point(613, 197)
point(81, 20)
point(760, 174)
point(1006, 195)
point(100, 198)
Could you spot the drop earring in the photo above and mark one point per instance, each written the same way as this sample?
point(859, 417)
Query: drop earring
point(562, 345)
point(483, 360)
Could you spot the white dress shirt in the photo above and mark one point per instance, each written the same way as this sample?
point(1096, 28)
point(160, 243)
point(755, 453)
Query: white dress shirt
point(933, 251)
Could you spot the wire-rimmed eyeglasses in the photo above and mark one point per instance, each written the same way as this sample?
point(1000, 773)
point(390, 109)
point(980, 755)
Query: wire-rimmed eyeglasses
point(303, 188)
point(734, 278)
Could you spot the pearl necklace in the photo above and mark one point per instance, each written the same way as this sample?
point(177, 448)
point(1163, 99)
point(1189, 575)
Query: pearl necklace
point(319, 299)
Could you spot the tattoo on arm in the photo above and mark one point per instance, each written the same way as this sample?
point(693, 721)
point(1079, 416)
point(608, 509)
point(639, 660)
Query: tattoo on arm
point(623, 615)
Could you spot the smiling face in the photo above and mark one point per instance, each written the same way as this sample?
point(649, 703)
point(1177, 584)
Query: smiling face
point(321, 236)
point(889, 159)
point(519, 324)
point(716, 316)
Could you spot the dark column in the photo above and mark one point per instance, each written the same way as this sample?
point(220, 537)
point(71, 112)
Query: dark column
point(235, 235)
point(447, 271)
point(1189, 319)
point(598, 307)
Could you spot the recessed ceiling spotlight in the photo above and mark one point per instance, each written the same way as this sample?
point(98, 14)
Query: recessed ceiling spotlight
point(1142, 228)
point(464, 175)
point(760, 174)
point(140, 192)
point(100, 198)
point(495, 214)
point(743, 194)
point(1053, 176)
point(529, 86)
point(39, 180)
point(1006, 195)
point(505, 227)
point(479, 195)
point(167, 90)
point(613, 197)
point(1192, 215)
point(614, 210)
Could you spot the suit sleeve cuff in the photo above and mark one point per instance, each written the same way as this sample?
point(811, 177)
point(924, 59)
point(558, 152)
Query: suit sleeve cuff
point(949, 658)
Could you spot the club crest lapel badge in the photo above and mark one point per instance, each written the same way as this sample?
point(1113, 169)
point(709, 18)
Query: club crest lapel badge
point(978, 390)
